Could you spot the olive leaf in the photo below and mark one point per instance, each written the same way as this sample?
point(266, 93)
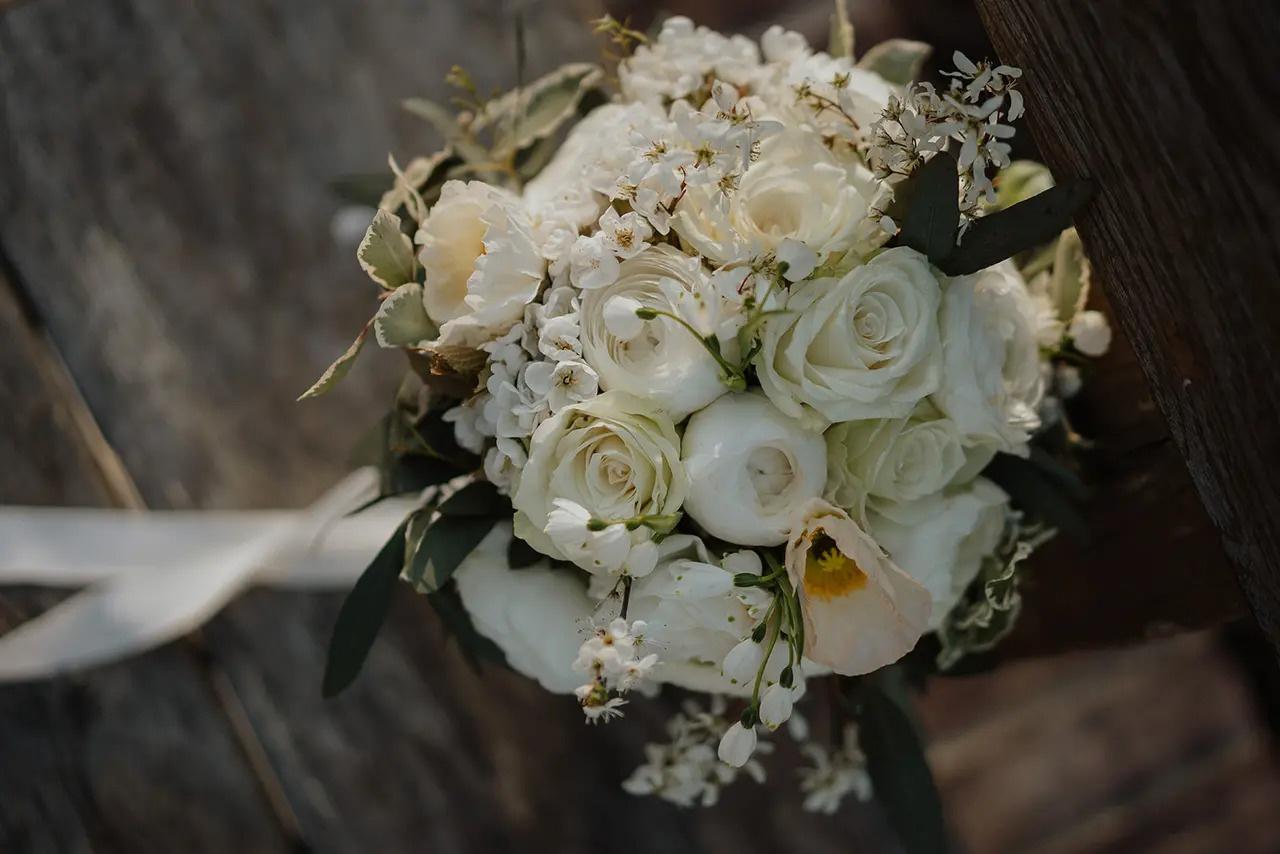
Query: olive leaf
point(897, 60)
point(386, 253)
point(362, 615)
point(458, 625)
point(932, 198)
point(1025, 225)
point(443, 548)
point(402, 319)
point(334, 373)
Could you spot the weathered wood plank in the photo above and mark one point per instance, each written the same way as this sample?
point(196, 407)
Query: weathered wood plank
point(1167, 106)
point(110, 761)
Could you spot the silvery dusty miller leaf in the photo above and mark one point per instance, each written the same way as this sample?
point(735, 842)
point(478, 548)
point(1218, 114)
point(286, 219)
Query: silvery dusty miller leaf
point(402, 319)
point(523, 116)
point(386, 253)
point(897, 60)
point(446, 124)
point(335, 372)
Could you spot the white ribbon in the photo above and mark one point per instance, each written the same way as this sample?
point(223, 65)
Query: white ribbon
point(154, 576)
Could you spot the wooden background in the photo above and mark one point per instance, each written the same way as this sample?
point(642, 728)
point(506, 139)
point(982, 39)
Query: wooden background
point(169, 283)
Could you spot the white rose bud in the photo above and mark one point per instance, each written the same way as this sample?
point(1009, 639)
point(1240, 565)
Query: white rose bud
point(775, 706)
point(749, 466)
point(737, 745)
point(1090, 333)
point(743, 662)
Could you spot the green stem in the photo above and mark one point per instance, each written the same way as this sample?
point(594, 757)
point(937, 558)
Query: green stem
point(768, 652)
point(733, 377)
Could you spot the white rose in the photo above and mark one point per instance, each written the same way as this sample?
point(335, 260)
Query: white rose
point(482, 264)
point(941, 540)
point(796, 189)
point(992, 383)
point(662, 362)
point(749, 466)
point(899, 459)
point(611, 454)
point(534, 614)
point(863, 347)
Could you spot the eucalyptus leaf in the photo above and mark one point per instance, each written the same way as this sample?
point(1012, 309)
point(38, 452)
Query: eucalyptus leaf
point(386, 253)
point(933, 213)
point(362, 615)
point(402, 319)
point(443, 547)
point(341, 366)
point(1025, 225)
point(841, 41)
point(446, 124)
point(422, 175)
point(896, 761)
point(897, 60)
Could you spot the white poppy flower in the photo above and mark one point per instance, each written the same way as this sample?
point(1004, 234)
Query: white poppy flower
point(861, 612)
point(749, 467)
point(482, 264)
point(865, 346)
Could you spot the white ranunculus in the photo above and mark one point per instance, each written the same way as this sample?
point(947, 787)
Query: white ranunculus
point(940, 540)
point(991, 383)
point(482, 264)
point(860, 611)
point(865, 346)
point(796, 189)
point(535, 615)
point(898, 459)
point(663, 362)
point(749, 466)
point(611, 454)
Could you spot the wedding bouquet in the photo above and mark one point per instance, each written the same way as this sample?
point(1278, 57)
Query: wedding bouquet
point(724, 368)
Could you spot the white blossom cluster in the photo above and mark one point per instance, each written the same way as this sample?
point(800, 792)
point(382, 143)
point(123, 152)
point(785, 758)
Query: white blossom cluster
point(724, 410)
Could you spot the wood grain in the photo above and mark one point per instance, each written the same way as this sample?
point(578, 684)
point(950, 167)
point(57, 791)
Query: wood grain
point(1168, 106)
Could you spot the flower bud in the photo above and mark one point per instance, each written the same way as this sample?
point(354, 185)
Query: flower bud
point(737, 745)
point(775, 706)
point(743, 662)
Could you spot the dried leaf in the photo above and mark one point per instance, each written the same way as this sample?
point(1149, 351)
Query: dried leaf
point(335, 372)
point(446, 124)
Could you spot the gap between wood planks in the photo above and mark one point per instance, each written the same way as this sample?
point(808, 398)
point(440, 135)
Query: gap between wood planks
point(124, 493)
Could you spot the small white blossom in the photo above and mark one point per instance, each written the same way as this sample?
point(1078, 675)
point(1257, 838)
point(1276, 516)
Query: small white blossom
point(737, 745)
point(562, 383)
point(743, 662)
point(592, 263)
point(1090, 332)
point(834, 774)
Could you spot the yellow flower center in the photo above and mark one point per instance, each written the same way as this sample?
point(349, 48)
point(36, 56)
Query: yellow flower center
point(828, 573)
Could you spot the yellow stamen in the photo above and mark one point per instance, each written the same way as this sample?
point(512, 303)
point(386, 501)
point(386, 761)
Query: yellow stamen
point(828, 573)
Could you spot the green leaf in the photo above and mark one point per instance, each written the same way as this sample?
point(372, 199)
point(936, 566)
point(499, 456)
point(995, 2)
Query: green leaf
point(415, 472)
point(897, 764)
point(402, 319)
point(362, 615)
point(991, 239)
point(1044, 497)
point(840, 43)
point(444, 546)
point(341, 366)
point(458, 625)
point(933, 213)
point(479, 498)
point(534, 112)
point(897, 60)
point(521, 555)
point(446, 124)
point(386, 253)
